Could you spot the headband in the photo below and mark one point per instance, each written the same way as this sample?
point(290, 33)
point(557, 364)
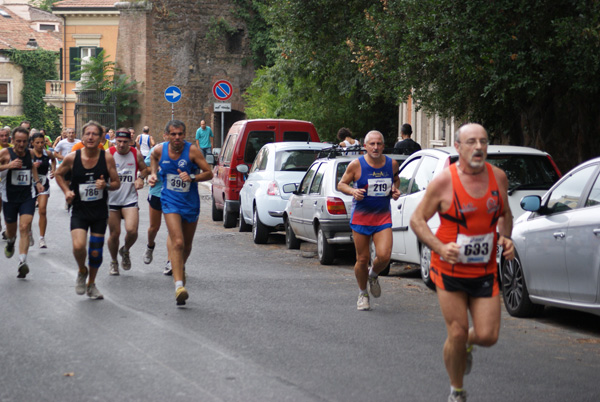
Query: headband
point(123, 134)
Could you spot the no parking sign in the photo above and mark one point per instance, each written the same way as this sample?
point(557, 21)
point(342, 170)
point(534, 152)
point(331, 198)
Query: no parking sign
point(222, 90)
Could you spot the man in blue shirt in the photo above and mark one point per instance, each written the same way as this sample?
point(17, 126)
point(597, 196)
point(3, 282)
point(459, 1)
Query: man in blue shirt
point(204, 138)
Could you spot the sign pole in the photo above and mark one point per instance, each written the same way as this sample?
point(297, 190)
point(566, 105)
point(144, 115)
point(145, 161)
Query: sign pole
point(172, 111)
point(222, 127)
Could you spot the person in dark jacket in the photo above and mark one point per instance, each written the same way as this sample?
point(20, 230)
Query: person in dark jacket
point(406, 146)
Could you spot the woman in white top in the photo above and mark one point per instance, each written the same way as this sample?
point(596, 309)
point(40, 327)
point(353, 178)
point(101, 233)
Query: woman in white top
point(345, 136)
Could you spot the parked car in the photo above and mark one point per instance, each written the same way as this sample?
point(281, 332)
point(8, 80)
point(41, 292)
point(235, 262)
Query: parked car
point(557, 247)
point(261, 200)
point(244, 139)
point(318, 212)
point(529, 171)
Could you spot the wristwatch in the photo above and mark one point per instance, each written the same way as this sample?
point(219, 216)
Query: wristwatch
point(193, 177)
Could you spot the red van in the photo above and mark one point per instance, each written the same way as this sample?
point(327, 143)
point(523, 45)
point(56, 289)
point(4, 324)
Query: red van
point(244, 139)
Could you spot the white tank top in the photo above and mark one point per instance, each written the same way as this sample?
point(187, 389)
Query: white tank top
point(127, 171)
point(145, 144)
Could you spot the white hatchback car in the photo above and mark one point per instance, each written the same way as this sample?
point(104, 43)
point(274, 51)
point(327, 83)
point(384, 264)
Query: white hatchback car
point(529, 171)
point(557, 247)
point(262, 200)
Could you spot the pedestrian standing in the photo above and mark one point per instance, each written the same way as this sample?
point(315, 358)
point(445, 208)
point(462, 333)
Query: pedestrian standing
point(18, 195)
point(471, 200)
point(123, 202)
point(375, 178)
point(407, 146)
point(204, 138)
point(93, 173)
point(179, 162)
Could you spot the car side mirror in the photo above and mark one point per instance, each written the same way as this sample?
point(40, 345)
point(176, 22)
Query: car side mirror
point(531, 203)
point(290, 188)
point(242, 168)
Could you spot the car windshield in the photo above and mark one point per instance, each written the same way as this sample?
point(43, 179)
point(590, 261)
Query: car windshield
point(297, 160)
point(530, 172)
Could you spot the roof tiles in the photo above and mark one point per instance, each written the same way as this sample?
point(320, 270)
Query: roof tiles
point(15, 32)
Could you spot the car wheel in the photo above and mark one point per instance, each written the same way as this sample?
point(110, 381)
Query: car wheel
point(260, 233)
point(325, 251)
point(244, 227)
point(514, 290)
point(426, 266)
point(217, 214)
point(229, 217)
point(372, 255)
point(291, 241)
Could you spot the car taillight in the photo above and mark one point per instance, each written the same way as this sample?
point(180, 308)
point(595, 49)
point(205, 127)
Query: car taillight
point(273, 188)
point(336, 206)
point(232, 176)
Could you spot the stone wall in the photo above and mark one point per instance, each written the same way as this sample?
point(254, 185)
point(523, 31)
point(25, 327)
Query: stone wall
point(167, 42)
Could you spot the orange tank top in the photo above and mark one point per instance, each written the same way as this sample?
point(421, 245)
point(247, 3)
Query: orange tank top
point(470, 222)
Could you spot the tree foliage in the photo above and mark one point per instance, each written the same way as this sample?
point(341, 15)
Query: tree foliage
point(38, 66)
point(102, 75)
point(529, 70)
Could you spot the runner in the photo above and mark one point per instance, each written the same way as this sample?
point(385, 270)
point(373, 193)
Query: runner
point(155, 212)
point(144, 142)
point(471, 199)
point(46, 166)
point(18, 195)
point(93, 173)
point(123, 203)
point(375, 178)
point(4, 143)
point(179, 161)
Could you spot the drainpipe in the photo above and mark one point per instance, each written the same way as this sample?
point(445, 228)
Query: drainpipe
point(64, 66)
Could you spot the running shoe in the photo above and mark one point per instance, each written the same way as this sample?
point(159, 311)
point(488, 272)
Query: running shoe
point(43, 243)
point(93, 292)
point(148, 255)
point(168, 270)
point(23, 270)
point(114, 268)
point(374, 287)
point(125, 260)
point(469, 364)
point(9, 249)
point(181, 295)
point(4, 235)
point(31, 242)
point(80, 285)
point(458, 396)
point(363, 302)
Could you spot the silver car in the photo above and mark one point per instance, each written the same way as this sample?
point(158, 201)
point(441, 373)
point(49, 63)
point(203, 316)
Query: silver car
point(557, 247)
point(318, 212)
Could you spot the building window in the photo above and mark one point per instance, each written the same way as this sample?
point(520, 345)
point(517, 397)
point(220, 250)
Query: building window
point(4, 93)
point(76, 54)
point(234, 41)
point(48, 27)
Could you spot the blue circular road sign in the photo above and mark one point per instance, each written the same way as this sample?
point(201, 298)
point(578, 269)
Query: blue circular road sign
point(173, 94)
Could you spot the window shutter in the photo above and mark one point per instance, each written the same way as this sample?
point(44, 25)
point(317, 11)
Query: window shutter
point(97, 51)
point(74, 65)
point(60, 63)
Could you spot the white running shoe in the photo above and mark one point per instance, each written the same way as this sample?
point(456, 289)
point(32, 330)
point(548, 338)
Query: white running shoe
point(148, 255)
point(114, 268)
point(125, 260)
point(80, 283)
point(93, 292)
point(168, 270)
point(363, 302)
point(374, 287)
point(458, 396)
point(43, 243)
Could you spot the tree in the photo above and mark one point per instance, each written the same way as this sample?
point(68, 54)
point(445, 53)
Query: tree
point(101, 75)
point(45, 5)
point(312, 76)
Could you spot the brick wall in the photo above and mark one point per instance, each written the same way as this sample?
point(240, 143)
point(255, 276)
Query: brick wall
point(165, 43)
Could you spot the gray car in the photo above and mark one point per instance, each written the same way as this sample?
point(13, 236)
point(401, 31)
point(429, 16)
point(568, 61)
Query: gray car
point(557, 247)
point(317, 212)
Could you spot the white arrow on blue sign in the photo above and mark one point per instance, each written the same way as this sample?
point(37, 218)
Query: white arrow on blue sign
point(173, 94)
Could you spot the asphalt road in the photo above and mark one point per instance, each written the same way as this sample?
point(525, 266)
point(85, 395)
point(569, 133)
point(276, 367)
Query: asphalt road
point(263, 323)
